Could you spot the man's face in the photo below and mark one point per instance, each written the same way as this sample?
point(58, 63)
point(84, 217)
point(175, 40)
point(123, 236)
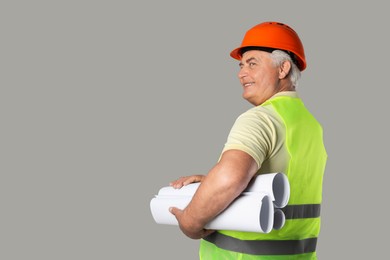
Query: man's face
point(258, 76)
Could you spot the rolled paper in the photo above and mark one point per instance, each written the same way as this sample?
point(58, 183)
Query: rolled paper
point(257, 209)
point(274, 184)
point(279, 219)
point(248, 212)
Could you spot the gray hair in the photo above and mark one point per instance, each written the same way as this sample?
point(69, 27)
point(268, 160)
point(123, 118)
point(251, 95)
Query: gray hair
point(279, 57)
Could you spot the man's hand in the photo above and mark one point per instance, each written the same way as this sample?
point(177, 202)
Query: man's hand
point(186, 227)
point(183, 181)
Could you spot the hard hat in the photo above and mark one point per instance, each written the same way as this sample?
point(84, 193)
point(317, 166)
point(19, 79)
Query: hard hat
point(271, 36)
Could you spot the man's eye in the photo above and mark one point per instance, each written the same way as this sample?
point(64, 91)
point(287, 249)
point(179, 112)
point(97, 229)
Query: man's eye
point(252, 64)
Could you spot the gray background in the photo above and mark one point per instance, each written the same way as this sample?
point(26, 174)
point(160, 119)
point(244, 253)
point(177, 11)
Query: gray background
point(104, 102)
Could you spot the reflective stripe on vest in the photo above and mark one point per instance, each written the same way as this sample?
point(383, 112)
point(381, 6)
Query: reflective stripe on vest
point(263, 247)
point(272, 247)
point(302, 211)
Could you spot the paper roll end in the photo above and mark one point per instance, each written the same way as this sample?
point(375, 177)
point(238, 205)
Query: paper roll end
point(266, 214)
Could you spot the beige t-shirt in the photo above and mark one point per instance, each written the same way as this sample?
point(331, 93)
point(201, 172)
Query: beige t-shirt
point(260, 132)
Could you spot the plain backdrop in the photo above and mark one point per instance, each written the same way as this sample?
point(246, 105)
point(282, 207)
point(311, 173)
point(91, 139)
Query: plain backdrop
point(104, 102)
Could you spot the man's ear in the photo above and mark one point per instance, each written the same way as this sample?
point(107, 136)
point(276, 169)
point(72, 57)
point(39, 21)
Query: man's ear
point(284, 69)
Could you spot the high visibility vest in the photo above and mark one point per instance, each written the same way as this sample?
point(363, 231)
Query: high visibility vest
point(297, 239)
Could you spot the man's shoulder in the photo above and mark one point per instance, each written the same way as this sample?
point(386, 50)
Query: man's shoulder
point(265, 113)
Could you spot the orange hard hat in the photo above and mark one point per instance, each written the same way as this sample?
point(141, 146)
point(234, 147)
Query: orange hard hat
point(271, 36)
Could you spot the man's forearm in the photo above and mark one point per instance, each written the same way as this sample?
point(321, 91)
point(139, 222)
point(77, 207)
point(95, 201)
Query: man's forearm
point(220, 187)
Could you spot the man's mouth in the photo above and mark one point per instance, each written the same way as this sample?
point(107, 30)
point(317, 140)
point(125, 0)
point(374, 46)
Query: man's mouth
point(247, 84)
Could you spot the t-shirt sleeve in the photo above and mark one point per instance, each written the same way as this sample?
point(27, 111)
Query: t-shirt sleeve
point(253, 133)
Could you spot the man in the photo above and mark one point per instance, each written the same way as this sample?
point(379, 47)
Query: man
point(277, 135)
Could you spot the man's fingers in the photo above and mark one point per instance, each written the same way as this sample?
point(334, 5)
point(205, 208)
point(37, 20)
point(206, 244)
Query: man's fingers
point(185, 180)
point(188, 181)
point(177, 184)
point(175, 211)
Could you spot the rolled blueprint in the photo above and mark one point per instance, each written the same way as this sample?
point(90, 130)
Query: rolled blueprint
point(276, 185)
point(279, 219)
point(257, 209)
point(252, 212)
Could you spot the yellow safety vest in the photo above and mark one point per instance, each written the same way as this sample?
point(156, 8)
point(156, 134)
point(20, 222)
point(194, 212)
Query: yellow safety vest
point(297, 239)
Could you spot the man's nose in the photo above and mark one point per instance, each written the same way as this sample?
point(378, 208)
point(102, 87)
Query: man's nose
point(242, 73)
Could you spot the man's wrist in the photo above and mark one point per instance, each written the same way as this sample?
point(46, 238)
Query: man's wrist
point(191, 223)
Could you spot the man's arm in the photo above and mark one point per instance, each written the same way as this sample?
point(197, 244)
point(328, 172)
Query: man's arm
point(225, 181)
